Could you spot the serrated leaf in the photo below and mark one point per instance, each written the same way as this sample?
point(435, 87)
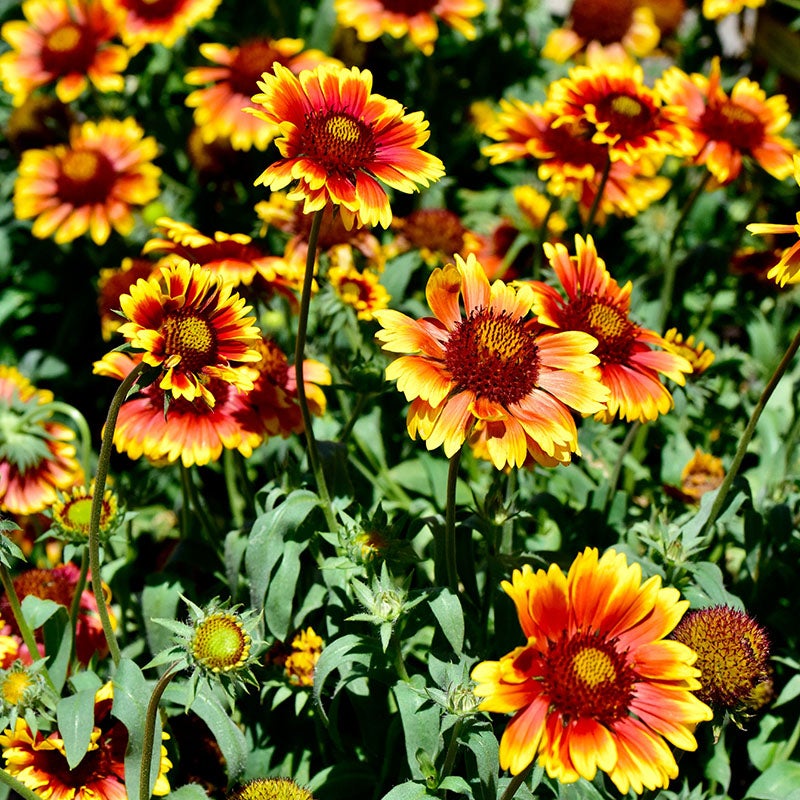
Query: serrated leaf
point(75, 717)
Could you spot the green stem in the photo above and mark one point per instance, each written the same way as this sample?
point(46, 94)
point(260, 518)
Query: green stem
point(75, 606)
point(344, 435)
point(516, 782)
point(16, 610)
point(150, 730)
point(399, 662)
point(738, 457)
point(452, 750)
point(299, 357)
point(20, 788)
point(235, 499)
point(103, 462)
point(449, 544)
point(597, 198)
point(613, 478)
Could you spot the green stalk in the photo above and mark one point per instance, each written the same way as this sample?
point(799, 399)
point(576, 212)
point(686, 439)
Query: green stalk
point(19, 617)
point(449, 543)
point(75, 606)
point(148, 743)
point(103, 462)
point(516, 782)
point(235, 499)
point(738, 457)
point(299, 357)
point(20, 788)
point(597, 198)
point(452, 750)
point(613, 478)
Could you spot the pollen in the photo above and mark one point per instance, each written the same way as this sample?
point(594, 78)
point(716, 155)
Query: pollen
point(586, 676)
point(340, 142)
point(494, 356)
point(271, 789)
point(614, 332)
point(220, 643)
point(190, 337)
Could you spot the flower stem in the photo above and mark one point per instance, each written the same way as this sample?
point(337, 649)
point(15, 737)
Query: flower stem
point(19, 618)
point(738, 457)
point(150, 730)
point(449, 544)
point(597, 198)
point(235, 499)
point(516, 782)
point(613, 478)
point(397, 655)
point(103, 462)
point(299, 357)
point(20, 788)
point(452, 750)
point(75, 606)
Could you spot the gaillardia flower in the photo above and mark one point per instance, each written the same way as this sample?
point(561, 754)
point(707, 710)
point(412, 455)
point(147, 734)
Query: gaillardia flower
point(702, 473)
point(71, 515)
point(143, 22)
point(714, 9)
point(694, 352)
point(40, 762)
point(362, 291)
point(91, 184)
point(193, 326)
point(191, 430)
point(733, 653)
point(490, 368)
point(37, 457)
point(726, 129)
point(233, 79)
point(63, 41)
point(787, 269)
point(605, 21)
point(413, 18)
point(271, 789)
point(300, 663)
point(338, 140)
point(629, 365)
point(596, 685)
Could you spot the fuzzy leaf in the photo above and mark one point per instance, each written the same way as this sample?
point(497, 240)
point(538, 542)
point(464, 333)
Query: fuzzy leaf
point(75, 716)
point(230, 739)
point(447, 609)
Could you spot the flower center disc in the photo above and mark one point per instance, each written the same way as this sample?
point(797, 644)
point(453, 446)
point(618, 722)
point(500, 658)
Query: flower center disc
point(250, 62)
point(14, 686)
point(408, 8)
point(614, 332)
point(189, 337)
point(628, 116)
point(730, 122)
point(585, 676)
point(87, 177)
point(68, 48)
point(153, 9)
point(338, 141)
point(493, 356)
point(606, 21)
point(220, 643)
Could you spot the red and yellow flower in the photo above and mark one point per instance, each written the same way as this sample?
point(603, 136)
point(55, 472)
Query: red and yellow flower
point(40, 762)
point(437, 233)
point(361, 290)
point(37, 456)
point(611, 103)
point(112, 283)
point(191, 431)
point(490, 373)
point(694, 352)
point(192, 326)
point(726, 129)
point(233, 257)
point(417, 19)
point(632, 358)
point(91, 184)
point(301, 662)
point(144, 22)
point(338, 140)
point(66, 42)
point(604, 21)
point(701, 474)
point(597, 686)
point(233, 79)
point(787, 269)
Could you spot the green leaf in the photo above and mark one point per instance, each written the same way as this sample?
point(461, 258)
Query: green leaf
point(408, 791)
point(57, 638)
point(191, 791)
point(779, 782)
point(37, 610)
point(481, 744)
point(131, 696)
point(230, 739)
point(420, 720)
point(338, 655)
point(447, 609)
point(159, 601)
point(455, 783)
point(75, 716)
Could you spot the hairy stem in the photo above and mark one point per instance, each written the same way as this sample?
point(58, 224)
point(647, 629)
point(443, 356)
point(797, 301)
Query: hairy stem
point(148, 743)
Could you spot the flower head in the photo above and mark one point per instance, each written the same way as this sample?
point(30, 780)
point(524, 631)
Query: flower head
point(490, 368)
point(233, 80)
point(415, 19)
point(271, 789)
point(37, 457)
point(732, 655)
point(194, 327)
point(40, 762)
point(694, 352)
point(66, 42)
point(338, 138)
point(597, 685)
point(191, 431)
point(112, 284)
point(727, 129)
point(300, 663)
point(21, 687)
point(360, 290)
point(714, 9)
point(702, 473)
point(631, 358)
point(437, 233)
point(91, 184)
point(606, 22)
point(71, 515)
point(143, 22)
